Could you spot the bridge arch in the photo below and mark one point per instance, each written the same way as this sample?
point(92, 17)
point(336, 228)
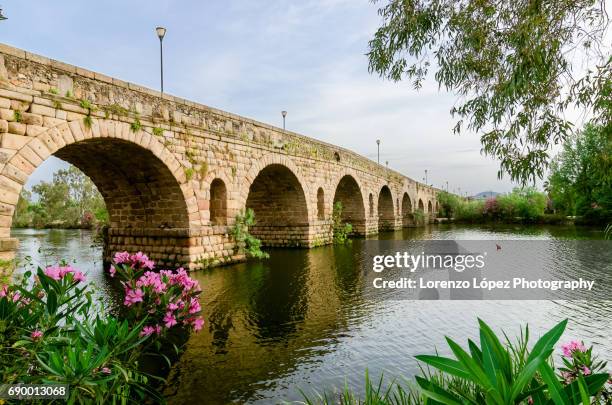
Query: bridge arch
point(218, 202)
point(320, 203)
point(279, 199)
point(143, 184)
point(348, 193)
point(421, 206)
point(386, 217)
point(406, 210)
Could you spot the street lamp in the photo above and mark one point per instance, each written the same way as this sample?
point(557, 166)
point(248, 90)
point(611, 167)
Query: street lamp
point(447, 186)
point(284, 113)
point(387, 163)
point(425, 176)
point(378, 146)
point(161, 32)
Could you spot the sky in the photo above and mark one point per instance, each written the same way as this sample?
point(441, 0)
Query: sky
point(256, 58)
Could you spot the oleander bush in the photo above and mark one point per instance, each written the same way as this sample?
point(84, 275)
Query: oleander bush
point(495, 372)
point(522, 204)
point(52, 331)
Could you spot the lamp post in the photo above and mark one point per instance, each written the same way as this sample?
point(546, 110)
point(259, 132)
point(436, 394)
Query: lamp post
point(284, 113)
point(447, 186)
point(2, 17)
point(387, 163)
point(161, 32)
point(378, 147)
point(425, 176)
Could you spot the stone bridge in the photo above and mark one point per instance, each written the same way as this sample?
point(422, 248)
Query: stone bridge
point(174, 174)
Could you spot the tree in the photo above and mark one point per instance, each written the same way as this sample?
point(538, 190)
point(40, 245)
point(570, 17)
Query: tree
point(517, 66)
point(70, 200)
point(580, 181)
point(23, 214)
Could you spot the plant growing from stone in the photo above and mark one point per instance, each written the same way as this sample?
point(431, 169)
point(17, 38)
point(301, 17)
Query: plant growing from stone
point(341, 230)
point(247, 243)
point(136, 125)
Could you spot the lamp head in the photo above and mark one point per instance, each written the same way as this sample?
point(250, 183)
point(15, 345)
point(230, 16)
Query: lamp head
point(378, 142)
point(284, 113)
point(161, 31)
point(2, 17)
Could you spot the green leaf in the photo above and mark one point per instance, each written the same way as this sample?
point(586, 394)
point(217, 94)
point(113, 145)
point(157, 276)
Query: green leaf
point(489, 363)
point(475, 351)
point(594, 383)
point(548, 341)
point(446, 365)
point(437, 393)
point(555, 389)
point(526, 375)
point(51, 302)
point(499, 355)
point(477, 375)
point(584, 396)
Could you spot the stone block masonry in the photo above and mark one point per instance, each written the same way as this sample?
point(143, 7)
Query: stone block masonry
point(174, 174)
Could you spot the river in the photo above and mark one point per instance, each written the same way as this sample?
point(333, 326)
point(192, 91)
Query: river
point(300, 320)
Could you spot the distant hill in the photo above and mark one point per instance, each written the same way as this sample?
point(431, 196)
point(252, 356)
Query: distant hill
point(485, 194)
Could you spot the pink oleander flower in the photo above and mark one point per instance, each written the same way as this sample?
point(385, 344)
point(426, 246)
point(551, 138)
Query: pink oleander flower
point(172, 306)
point(158, 329)
point(112, 271)
point(586, 370)
point(567, 377)
point(571, 347)
point(121, 257)
point(105, 370)
point(16, 296)
point(194, 305)
point(133, 296)
point(53, 272)
point(142, 260)
point(63, 270)
point(78, 276)
point(169, 320)
point(4, 291)
point(197, 324)
point(36, 335)
point(147, 331)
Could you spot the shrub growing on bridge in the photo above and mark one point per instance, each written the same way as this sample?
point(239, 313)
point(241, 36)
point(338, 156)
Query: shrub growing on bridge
point(341, 230)
point(247, 243)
